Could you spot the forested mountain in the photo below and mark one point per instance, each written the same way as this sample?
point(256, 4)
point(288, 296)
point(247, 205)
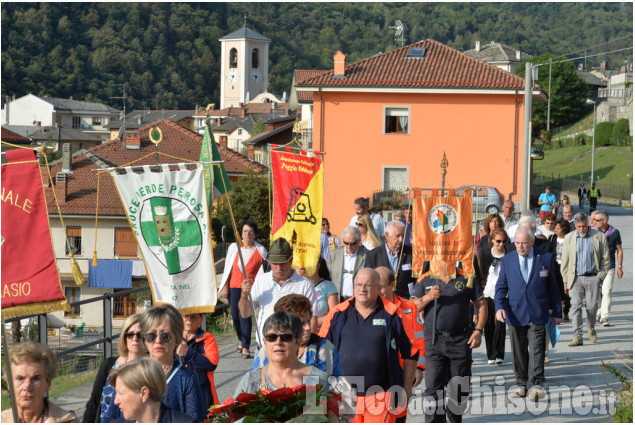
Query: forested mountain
point(168, 53)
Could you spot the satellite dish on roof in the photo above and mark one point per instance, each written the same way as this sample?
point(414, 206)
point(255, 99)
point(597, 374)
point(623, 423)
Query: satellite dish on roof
point(399, 36)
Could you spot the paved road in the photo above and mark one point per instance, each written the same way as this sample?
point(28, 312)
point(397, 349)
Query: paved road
point(574, 375)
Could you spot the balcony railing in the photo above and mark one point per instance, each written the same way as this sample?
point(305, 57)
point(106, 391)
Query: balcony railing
point(615, 93)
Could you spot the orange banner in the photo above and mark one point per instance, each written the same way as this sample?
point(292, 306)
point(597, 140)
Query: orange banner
point(442, 230)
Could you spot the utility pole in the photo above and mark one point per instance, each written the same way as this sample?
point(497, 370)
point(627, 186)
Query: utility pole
point(124, 107)
point(549, 100)
point(526, 180)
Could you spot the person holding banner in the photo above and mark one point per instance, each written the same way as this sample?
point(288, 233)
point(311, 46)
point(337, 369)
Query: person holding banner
point(269, 287)
point(33, 368)
point(253, 254)
point(449, 354)
point(395, 256)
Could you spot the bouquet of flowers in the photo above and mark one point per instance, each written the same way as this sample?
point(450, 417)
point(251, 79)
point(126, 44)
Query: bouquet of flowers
point(297, 404)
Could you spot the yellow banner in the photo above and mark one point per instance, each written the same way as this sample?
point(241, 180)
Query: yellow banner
point(297, 206)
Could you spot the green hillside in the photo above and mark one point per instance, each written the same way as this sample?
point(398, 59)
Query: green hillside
point(168, 53)
point(612, 164)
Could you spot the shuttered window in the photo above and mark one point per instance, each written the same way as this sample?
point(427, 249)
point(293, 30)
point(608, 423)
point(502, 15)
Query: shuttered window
point(125, 242)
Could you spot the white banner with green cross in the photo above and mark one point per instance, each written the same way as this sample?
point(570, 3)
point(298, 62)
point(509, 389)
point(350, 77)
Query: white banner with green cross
point(168, 213)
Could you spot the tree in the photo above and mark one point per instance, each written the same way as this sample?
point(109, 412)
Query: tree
point(568, 91)
point(259, 127)
point(250, 201)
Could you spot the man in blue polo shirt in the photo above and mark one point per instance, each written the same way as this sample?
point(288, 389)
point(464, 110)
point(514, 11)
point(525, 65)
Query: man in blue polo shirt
point(369, 335)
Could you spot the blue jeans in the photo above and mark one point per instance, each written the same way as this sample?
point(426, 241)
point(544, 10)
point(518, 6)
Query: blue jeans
point(241, 325)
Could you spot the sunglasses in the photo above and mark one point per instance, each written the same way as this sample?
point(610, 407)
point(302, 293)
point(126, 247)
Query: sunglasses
point(360, 224)
point(350, 243)
point(274, 337)
point(499, 241)
point(166, 337)
point(132, 335)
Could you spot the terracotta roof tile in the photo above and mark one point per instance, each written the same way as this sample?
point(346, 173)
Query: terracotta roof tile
point(177, 141)
point(11, 137)
point(442, 67)
point(305, 74)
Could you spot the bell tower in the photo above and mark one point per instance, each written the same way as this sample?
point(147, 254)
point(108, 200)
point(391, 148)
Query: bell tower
point(244, 66)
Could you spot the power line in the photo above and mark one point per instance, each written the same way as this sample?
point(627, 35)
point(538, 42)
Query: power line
point(587, 56)
point(598, 45)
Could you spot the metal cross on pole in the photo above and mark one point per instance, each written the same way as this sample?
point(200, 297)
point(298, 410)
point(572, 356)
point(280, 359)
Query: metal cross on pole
point(444, 171)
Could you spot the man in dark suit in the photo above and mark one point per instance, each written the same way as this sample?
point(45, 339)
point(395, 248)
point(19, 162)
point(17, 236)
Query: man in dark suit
point(390, 254)
point(345, 262)
point(525, 292)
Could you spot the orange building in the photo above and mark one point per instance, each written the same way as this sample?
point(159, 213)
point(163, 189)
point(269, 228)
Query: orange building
point(385, 122)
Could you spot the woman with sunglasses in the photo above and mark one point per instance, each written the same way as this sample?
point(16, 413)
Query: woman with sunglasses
point(494, 330)
point(334, 241)
point(131, 347)
point(161, 326)
point(282, 332)
point(370, 239)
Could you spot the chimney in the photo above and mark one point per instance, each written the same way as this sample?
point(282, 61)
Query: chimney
point(219, 121)
point(243, 111)
point(38, 123)
point(604, 65)
point(196, 110)
point(339, 64)
point(250, 152)
point(284, 96)
point(517, 55)
point(133, 140)
point(581, 66)
point(240, 104)
point(70, 98)
point(269, 127)
point(477, 47)
point(222, 140)
point(60, 187)
point(67, 155)
point(139, 120)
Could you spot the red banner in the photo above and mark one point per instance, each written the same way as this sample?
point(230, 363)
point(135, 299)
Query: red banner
point(442, 230)
point(297, 205)
point(30, 280)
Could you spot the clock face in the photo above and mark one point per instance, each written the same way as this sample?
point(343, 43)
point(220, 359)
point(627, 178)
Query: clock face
point(256, 76)
point(233, 76)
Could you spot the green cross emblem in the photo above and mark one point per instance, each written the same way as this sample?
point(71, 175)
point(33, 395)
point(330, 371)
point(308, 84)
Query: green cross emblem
point(176, 242)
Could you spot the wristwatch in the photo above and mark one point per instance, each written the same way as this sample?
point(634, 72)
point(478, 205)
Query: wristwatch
point(477, 329)
point(619, 267)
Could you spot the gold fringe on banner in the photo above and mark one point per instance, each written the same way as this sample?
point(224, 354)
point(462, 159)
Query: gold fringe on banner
point(35, 308)
point(193, 310)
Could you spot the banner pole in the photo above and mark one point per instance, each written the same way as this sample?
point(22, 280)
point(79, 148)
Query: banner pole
point(7, 362)
point(240, 257)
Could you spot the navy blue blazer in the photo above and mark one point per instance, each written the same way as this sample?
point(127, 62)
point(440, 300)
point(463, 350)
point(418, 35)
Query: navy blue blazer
point(524, 303)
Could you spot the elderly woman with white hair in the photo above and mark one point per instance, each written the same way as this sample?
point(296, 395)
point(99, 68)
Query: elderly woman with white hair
point(33, 368)
point(140, 387)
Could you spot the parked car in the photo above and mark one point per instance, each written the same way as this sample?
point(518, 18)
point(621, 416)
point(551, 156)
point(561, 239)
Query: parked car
point(486, 199)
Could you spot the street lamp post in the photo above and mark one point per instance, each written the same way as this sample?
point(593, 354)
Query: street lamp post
point(589, 101)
